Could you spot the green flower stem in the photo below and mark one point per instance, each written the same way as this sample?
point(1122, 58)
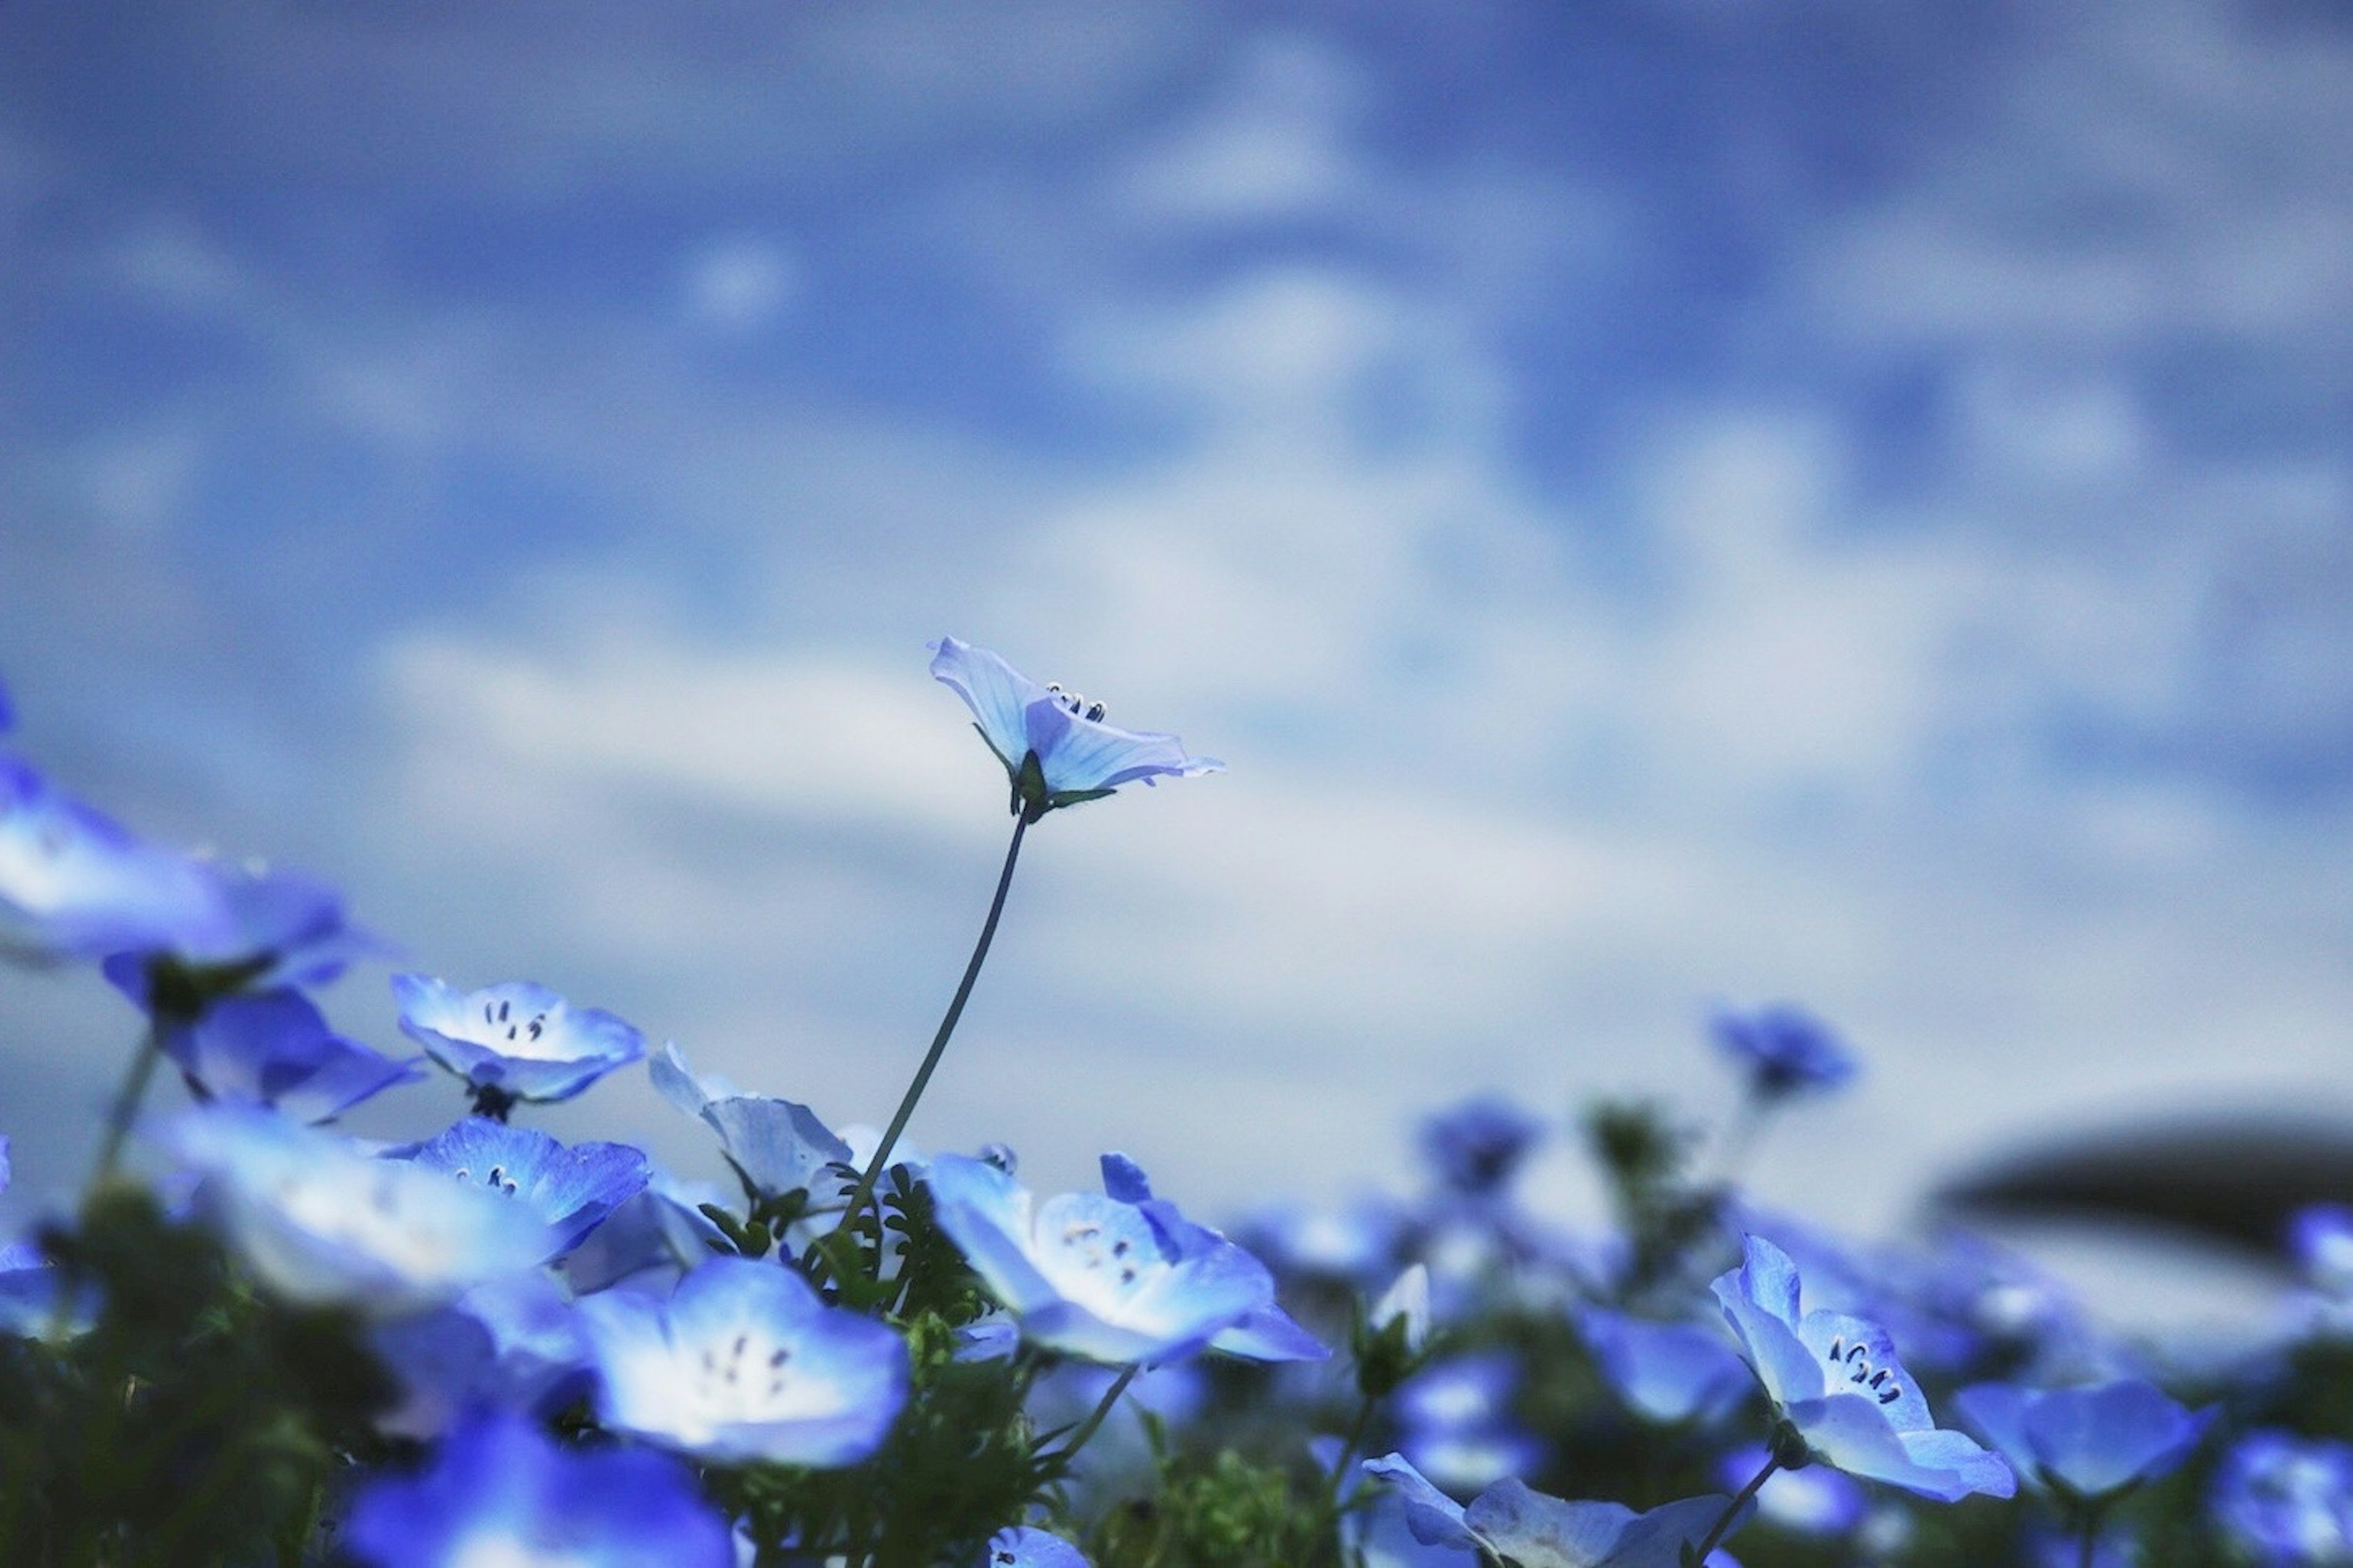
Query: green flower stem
point(1086, 1429)
point(119, 1116)
point(1348, 1446)
point(1732, 1510)
point(882, 1160)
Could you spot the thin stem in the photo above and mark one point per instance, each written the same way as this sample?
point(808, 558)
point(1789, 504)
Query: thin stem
point(1732, 1511)
point(876, 1165)
point(120, 1115)
point(2091, 1539)
point(1086, 1429)
point(1348, 1446)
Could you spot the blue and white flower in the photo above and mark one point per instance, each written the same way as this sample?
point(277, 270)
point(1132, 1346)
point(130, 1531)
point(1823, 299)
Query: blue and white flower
point(1119, 1278)
point(319, 1220)
point(1476, 1146)
point(2087, 1446)
point(274, 1048)
point(500, 1494)
point(1055, 746)
point(776, 1146)
point(1511, 1521)
point(277, 929)
point(75, 883)
point(513, 1041)
point(745, 1362)
point(570, 1190)
point(1020, 1546)
point(1784, 1050)
point(1669, 1373)
point(1835, 1382)
point(2287, 1500)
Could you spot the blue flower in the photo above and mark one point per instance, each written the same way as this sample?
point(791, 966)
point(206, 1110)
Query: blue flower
point(745, 1362)
point(2089, 1444)
point(278, 927)
point(569, 1190)
point(2287, 1500)
point(777, 1146)
point(1121, 1278)
point(1668, 1371)
point(1834, 1380)
point(1783, 1049)
point(499, 1491)
point(274, 1048)
point(514, 1041)
point(320, 1221)
point(1019, 1546)
point(75, 883)
point(514, 1343)
point(1476, 1146)
point(1816, 1500)
point(29, 1286)
point(1455, 1417)
point(1055, 746)
point(1510, 1521)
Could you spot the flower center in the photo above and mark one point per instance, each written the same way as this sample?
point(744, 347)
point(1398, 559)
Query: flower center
point(498, 1014)
point(744, 1381)
point(1853, 1363)
point(1077, 705)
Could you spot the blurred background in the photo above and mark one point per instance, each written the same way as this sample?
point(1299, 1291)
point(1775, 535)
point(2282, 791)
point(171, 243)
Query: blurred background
point(1659, 502)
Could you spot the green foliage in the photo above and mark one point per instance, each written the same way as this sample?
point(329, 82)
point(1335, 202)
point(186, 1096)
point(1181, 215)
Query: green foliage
point(195, 1423)
point(1217, 1510)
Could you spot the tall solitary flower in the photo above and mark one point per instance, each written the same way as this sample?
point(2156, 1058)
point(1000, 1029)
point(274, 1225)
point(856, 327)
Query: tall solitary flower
point(1056, 748)
point(1837, 1387)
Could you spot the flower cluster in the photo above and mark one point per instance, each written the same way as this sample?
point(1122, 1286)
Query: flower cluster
point(484, 1345)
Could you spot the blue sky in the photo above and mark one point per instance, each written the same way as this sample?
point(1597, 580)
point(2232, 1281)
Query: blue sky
point(1657, 502)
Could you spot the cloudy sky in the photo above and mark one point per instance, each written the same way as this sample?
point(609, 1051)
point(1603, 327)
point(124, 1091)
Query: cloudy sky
point(1657, 501)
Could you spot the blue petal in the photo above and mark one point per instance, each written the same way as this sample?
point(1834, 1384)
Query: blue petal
point(998, 695)
point(1022, 1547)
point(1435, 1519)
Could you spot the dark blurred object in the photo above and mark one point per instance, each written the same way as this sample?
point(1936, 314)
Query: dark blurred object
point(2234, 1179)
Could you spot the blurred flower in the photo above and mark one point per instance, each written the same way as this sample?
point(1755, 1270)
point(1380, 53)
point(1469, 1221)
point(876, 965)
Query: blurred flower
point(1667, 1371)
point(1511, 1521)
point(1456, 1424)
point(776, 1146)
point(2321, 1236)
point(1835, 1382)
point(499, 1492)
point(2287, 1500)
point(745, 1362)
point(274, 1048)
point(1019, 1546)
point(513, 1041)
point(1118, 1277)
point(278, 929)
point(2087, 1446)
point(29, 1285)
point(514, 1343)
point(1476, 1146)
point(1406, 1303)
point(1055, 746)
point(320, 1221)
point(1816, 1500)
point(75, 883)
point(1783, 1049)
point(570, 1190)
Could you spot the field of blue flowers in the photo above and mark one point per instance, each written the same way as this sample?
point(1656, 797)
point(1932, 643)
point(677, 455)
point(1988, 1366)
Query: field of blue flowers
point(489, 1350)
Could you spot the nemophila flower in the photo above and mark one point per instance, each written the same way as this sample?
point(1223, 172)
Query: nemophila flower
point(777, 1146)
point(513, 1344)
point(1836, 1385)
point(743, 1362)
point(1056, 748)
point(1020, 1546)
point(2320, 1236)
point(75, 883)
point(1816, 1500)
point(279, 929)
point(1119, 1277)
point(1509, 1521)
point(274, 1048)
point(319, 1220)
point(29, 1285)
point(513, 1041)
point(2090, 1445)
point(1476, 1146)
point(1668, 1371)
point(1783, 1049)
point(570, 1190)
point(1455, 1422)
point(500, 1494)
point(2286, 1500)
